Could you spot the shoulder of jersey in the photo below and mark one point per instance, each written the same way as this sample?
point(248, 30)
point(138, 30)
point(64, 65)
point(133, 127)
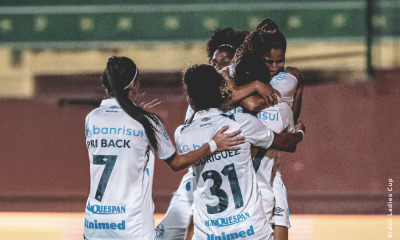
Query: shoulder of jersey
point(288, 74)
point(182, 127)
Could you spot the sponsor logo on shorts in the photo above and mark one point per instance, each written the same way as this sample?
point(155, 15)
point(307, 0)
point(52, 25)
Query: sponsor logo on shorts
point(278, 211)
point(231, 220)
point(205, 119)
point(104, 225)
point(231, 236)
point(159, 230)
point(114, 106)
point(96, 209)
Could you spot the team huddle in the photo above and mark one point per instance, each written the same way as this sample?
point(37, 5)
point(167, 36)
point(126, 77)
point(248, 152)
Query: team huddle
point(242, 113)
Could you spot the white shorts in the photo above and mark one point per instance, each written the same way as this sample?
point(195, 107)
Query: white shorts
point(173, 225)
point(281, 211)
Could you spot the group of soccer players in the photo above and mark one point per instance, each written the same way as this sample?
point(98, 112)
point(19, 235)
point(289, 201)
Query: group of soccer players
point(233, 188)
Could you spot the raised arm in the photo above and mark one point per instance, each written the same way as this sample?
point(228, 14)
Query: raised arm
point(288, 141)
point(299, 92)
point(267, 95)
point(223, 141)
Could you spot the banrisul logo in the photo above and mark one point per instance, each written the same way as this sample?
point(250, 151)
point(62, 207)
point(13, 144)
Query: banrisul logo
point(274, 116)
point(222, 222)
point(231, 236)
point(117, 131)
point(96, 209)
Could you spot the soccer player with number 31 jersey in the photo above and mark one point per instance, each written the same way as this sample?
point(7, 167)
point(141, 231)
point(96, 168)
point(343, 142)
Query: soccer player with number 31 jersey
point(227, 204)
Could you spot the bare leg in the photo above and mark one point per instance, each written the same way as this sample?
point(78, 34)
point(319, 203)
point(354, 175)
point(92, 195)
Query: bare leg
point(189, 229)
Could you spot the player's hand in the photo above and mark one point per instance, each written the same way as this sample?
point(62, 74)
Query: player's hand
point(225, 73)
point(228, 141)
point(269, 93)
point(300, 126)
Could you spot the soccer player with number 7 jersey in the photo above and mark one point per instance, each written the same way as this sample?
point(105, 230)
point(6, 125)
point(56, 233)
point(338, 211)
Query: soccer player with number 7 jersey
point(122, 140)
point(226, 200)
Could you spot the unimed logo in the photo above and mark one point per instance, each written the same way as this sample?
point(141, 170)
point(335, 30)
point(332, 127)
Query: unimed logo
point(103, 225)
point(231, 236)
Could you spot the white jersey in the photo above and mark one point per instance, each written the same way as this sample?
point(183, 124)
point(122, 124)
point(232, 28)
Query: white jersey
point(120, 204)
point(190, 112)
point(226, 199)
point(286, 84)
point(278, 118)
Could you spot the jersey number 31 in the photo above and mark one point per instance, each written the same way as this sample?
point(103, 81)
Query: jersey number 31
point(228, 170)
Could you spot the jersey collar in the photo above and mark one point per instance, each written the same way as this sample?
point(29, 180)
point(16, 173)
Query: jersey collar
point(207, 113)
point(111, 101)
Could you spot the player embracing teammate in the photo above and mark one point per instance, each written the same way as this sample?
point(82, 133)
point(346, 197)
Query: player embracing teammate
point(233, 188)
point(226, 196)
point(261, 57)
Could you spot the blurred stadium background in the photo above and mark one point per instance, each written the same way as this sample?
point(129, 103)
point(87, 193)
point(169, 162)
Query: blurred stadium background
point(52, 53)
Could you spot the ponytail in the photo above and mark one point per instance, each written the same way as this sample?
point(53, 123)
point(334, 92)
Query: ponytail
point(260, 42)
point(121, 72)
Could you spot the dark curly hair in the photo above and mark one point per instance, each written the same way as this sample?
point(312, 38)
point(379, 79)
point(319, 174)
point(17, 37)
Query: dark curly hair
point(249, 68)
point(203, 84)
point(228, 37)
point(260, 42)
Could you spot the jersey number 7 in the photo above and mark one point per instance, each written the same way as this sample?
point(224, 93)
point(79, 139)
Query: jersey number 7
point(109, 161)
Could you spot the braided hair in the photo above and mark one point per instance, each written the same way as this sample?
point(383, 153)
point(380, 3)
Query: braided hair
point(260, 42)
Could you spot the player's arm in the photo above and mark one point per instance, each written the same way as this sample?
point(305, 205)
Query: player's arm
point(224, 142)
point(299, 92)
point(189, 229)
point(267, 95)
point(288, 141)
point(260, 135)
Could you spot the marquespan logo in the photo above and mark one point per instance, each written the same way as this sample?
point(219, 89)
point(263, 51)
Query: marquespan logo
point(97, 209)
point(205, 119)
point(223, 222)
point(113, 107)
